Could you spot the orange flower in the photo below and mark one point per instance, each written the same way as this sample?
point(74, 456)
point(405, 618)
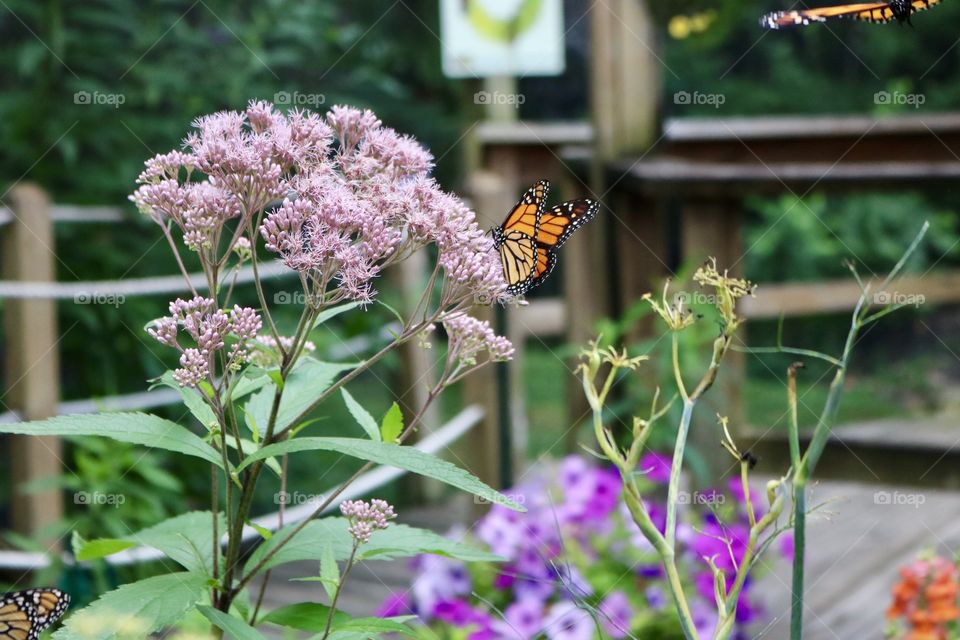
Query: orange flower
point(926, 598)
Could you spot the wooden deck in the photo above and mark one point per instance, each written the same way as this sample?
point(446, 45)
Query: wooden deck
point(857, 538)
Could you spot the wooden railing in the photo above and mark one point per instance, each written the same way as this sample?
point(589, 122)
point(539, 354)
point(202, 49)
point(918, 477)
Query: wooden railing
point(682, 200)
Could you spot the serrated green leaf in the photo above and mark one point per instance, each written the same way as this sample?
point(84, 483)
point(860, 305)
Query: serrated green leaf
point(312, 616)
point(329, 571)
point(361, 415)
point(265, 533)
point(193, 400)
point(186, 539)
point(153, 603)
point(397, 541)
point(302, 389)
point(305, 616)
point(237, 628)
point(85, 550)
point(252, 379)
point(392, 425)
point(333, 312)
point(393, 455)
point(133, 427)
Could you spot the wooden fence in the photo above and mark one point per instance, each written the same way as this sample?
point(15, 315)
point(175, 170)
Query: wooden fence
point(682, 200)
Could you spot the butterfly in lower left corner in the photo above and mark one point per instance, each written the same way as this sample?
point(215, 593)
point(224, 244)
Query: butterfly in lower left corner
point(530, 236)
point(24, 614)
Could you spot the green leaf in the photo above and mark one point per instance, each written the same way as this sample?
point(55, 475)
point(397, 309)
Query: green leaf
point(152, 604)
point(237, 628)
point(252, 379)
point(392, 425)
point(249, 446)
point(312, 616)
point(333, 312)
point(193, 400)
point(393, 455)
point(303, 387)
point(329, 571)
point(134, 427)
point(187, 539)
point(367, 626)
point(100, 548)
point(265, 533)
point(321, 538)
point(363, 418)
point(305, 616)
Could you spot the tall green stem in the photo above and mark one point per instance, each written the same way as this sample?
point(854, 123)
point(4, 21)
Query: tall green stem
point(675, 470)
point(799, 551)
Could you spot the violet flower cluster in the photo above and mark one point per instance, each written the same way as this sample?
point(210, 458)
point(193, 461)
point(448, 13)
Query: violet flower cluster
point(576, 560)
point(209, 329)
point(367, 517)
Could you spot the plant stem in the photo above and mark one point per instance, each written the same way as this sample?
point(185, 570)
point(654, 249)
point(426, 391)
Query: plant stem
point(674, 488)
point(799, 551)
point(336, 595)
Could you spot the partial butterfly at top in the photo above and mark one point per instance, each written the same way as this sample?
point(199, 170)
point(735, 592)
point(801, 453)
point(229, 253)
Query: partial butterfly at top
point(899, 10)
point(530, 236)
point(24, 614)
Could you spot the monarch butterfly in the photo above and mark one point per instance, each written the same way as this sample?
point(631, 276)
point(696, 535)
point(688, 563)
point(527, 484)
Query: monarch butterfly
point(899, 10)
point(529, 238)
point(24, 614)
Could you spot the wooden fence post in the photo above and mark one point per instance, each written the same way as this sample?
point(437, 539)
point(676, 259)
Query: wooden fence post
point(32, 369)
point(417, 364)
point(489, 200)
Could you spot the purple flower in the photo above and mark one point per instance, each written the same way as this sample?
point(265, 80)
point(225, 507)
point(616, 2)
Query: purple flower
point(574, 478)
point(499, 529)
point(536, 583)
point(396, 604)
point(615, 615)
point(656, 466)
point(704, 618)
point(505, 578)
point(786, 546)
point(460, 614)
point(572, 581)
point(566, 621)
point(438, 579)
point(522, 619)
point(656, 599)
point(725, 544)
point(455, 612)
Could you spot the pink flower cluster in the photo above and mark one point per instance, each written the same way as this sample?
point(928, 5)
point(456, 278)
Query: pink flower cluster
point(369, 203)
point(367, 517)
point(209, 329)
point(469, 337)
point(349, 196)
point(245, 158)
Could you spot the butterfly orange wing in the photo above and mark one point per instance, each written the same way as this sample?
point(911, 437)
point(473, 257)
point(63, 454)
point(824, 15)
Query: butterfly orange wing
point(866, 11)
point(24, 614)
point(556, 226)
point(515, 239)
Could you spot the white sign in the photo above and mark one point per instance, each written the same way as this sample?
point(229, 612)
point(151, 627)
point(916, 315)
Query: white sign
point(502, 37)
